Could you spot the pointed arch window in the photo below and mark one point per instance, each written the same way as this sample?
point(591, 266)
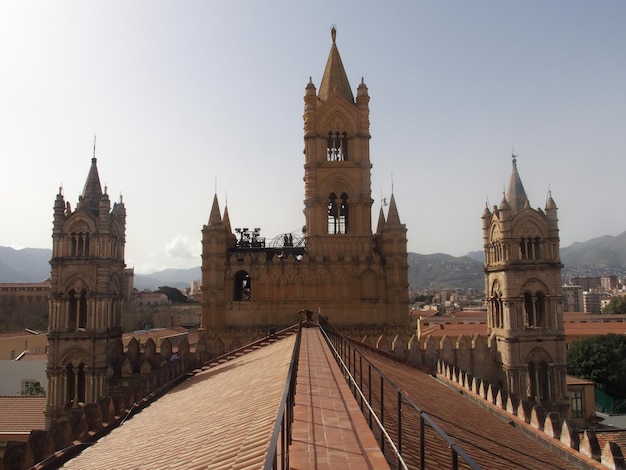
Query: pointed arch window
point(337, 213)
point(540, 389)
point(535, 310)
point(242, 291)
point(337, 147)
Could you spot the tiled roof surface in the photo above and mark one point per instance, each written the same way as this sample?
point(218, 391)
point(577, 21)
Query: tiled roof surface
point(220, 418)
point(487, 439)
point(20, 414)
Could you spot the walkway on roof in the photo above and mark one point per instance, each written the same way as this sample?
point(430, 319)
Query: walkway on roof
point(223, 418)
point(329, 430)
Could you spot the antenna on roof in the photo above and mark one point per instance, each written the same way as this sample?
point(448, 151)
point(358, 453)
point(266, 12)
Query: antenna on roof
point(94, 146)
point(383, 200)
point(391, 183)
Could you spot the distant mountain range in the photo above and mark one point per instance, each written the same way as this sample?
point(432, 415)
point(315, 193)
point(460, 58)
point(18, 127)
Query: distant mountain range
point(600, 256)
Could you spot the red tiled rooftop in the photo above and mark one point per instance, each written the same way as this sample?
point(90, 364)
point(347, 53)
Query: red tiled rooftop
point(487, 439)
point(21, 414)
point(220, 418)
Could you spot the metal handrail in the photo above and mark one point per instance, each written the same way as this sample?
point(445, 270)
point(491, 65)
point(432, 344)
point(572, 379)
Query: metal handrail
point(284, 419)
point(339, 347)
point(372, 414)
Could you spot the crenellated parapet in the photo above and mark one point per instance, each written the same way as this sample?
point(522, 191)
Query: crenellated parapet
point(582, 447)
point(146, 374)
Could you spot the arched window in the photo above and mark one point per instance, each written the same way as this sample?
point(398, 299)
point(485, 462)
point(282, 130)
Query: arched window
point(337, 213)
point(337, 147)
point(242, 292)
point(497, 307)
point(545, 392)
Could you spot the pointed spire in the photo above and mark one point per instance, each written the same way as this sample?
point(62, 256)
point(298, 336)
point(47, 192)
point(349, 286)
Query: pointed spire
point(92, 192)
point(226, 219)
point(516, 196)
point(393, 218)
point(550, 204)
point(215, 218)
point(335, 79)
point(381, 221)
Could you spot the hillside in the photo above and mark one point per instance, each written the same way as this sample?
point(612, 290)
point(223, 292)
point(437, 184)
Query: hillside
point(596, 257)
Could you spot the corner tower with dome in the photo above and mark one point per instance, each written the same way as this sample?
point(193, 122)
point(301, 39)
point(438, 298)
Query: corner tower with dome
point(340, 268)
point(524, 296)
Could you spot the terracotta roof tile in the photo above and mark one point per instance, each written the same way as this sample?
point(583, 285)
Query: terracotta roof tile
point(21, 414)
point(487, 439)
point(220, 418)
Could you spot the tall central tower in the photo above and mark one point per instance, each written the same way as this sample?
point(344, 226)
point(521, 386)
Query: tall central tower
point(337, 166)
point(340, 269)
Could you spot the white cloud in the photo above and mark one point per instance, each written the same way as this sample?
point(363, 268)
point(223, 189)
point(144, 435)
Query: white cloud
point(183, 247)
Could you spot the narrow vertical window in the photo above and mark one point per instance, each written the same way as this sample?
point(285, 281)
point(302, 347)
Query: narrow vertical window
point(72, 310)
point(577, 404)
point(242, 291)
point(337, 147)
point(69, 386)
point(529, 308)
point(82, 310)
point(337, 214)
point(540, 310)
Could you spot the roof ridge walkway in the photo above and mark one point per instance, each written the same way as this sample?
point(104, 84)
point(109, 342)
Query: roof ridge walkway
point(329, 430)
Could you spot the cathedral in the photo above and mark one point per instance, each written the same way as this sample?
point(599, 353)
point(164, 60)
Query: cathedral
point(340, 268)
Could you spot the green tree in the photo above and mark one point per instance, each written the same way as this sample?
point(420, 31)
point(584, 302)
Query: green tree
point(34, 389)
point(175, 295)
point(601, 359)
point(616, 306)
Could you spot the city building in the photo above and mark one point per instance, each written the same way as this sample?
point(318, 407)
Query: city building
point(573, 298)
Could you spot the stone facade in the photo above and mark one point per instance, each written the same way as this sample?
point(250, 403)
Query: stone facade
point(340, 268)
point(524, 296)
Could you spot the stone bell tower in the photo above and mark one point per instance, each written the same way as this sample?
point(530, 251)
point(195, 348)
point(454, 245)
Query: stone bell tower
point(338, 202)
point(86, 298)
point(340, 268)
point(524, 293)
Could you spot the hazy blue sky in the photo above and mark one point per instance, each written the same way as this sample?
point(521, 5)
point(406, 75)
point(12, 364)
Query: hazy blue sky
point(189, 98)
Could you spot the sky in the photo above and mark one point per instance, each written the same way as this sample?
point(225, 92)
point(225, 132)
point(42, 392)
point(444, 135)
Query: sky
point(190, 99)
